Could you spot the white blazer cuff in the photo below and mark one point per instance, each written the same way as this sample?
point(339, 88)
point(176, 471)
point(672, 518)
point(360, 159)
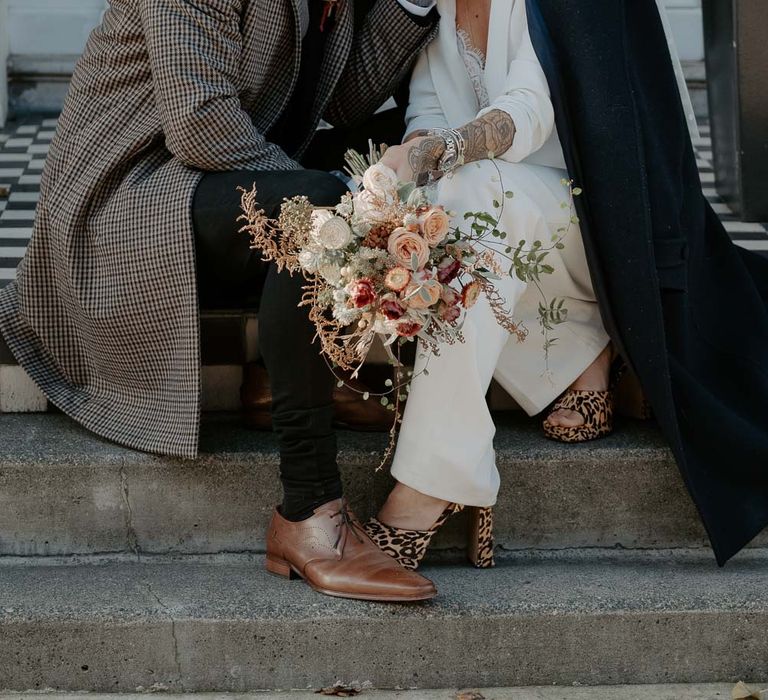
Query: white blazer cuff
point(530, 133)
point(418, 10)
point(425, 122)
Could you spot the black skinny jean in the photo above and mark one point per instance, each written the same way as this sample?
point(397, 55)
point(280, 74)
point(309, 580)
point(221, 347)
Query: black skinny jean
point(231, 275)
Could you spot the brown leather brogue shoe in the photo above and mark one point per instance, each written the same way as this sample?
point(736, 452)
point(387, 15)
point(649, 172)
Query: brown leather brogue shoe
point(352, 412)
point(332, 553)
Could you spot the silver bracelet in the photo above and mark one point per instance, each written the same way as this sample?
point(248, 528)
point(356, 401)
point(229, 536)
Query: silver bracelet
point(455, 147)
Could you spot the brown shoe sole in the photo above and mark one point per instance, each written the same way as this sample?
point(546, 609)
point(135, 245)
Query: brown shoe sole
point(278, 567)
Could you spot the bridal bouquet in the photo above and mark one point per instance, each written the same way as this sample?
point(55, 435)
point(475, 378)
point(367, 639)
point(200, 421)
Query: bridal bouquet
point(383, 263)
point(386, 263)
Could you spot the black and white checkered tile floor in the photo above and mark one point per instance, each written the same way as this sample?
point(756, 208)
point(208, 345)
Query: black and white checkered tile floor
point(23, 146)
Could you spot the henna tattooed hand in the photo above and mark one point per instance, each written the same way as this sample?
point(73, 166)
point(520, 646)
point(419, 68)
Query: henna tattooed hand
point(414, 157)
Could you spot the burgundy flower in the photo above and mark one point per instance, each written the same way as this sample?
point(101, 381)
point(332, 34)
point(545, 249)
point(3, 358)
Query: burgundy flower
point(392, 309)
point(448, 312)
point(361, 292)
point(447, 269)
point(408, 329)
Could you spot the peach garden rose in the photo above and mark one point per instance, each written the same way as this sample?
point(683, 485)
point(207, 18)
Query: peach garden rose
point(434, 225)
point(422, 295)
point(403, 245)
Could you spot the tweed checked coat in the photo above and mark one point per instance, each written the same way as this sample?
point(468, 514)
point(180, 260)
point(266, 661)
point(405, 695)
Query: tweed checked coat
point(104, 312)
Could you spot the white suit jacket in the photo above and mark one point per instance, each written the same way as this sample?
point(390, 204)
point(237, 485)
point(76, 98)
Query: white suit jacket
point(442, 94)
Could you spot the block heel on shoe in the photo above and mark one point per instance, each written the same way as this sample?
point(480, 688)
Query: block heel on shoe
point(480, 545)
point(410, 546)
point(279, 567)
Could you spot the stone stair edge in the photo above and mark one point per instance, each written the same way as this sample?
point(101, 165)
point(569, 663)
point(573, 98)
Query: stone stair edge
point(572, 581)
point(232, 627)
point(54, 439)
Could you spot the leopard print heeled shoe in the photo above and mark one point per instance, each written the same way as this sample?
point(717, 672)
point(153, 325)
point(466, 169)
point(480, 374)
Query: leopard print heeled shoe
point(596, 407)
point(410, 546)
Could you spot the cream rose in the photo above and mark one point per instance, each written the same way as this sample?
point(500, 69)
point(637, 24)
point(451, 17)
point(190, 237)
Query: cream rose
point(381, 180)
point(334, 234)
point(319, 217)
point(434, 225)
point(402, 245)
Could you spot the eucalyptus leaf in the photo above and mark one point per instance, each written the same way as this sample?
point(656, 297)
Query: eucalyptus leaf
point(405, 191)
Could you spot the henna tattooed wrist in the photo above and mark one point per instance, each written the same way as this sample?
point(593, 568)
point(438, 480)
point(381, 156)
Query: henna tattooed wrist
point(488, 136)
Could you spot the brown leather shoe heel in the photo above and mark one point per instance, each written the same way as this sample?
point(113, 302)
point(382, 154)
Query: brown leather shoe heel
point(332, 553)
point(352, 412)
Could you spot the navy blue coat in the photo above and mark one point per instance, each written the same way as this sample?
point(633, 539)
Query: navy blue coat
point(685, 306)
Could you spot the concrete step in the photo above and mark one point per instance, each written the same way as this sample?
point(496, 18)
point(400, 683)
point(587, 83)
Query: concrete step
point(665, 691)
point(223, 624)
point(65, 491)
point(687, 691)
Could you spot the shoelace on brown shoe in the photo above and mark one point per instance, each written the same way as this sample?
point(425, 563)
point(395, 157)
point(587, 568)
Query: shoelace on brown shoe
point(348, 521)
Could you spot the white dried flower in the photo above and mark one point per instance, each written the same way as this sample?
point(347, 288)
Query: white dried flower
point(330, 272)
point(370, 208)
point(345, 207)
point(410, 220)
point(383, 325)
point(310, 259)
point(344, 315)
point(417, 198)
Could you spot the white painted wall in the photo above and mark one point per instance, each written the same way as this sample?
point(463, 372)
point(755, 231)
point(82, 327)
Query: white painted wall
point(686, 19)
point(3, 62)
point(51, 27)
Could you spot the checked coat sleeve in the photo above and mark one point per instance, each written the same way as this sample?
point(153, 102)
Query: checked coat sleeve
point(194, 49)
point(383, 51)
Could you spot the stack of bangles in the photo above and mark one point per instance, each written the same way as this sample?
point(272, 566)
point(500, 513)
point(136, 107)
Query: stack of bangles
point(455, 145)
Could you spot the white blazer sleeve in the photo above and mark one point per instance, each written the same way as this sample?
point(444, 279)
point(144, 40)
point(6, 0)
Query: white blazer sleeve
point(526, 98)
point(424, 109)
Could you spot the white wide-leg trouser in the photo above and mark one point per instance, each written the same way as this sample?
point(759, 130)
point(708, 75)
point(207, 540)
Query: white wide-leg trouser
point(445, 447)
